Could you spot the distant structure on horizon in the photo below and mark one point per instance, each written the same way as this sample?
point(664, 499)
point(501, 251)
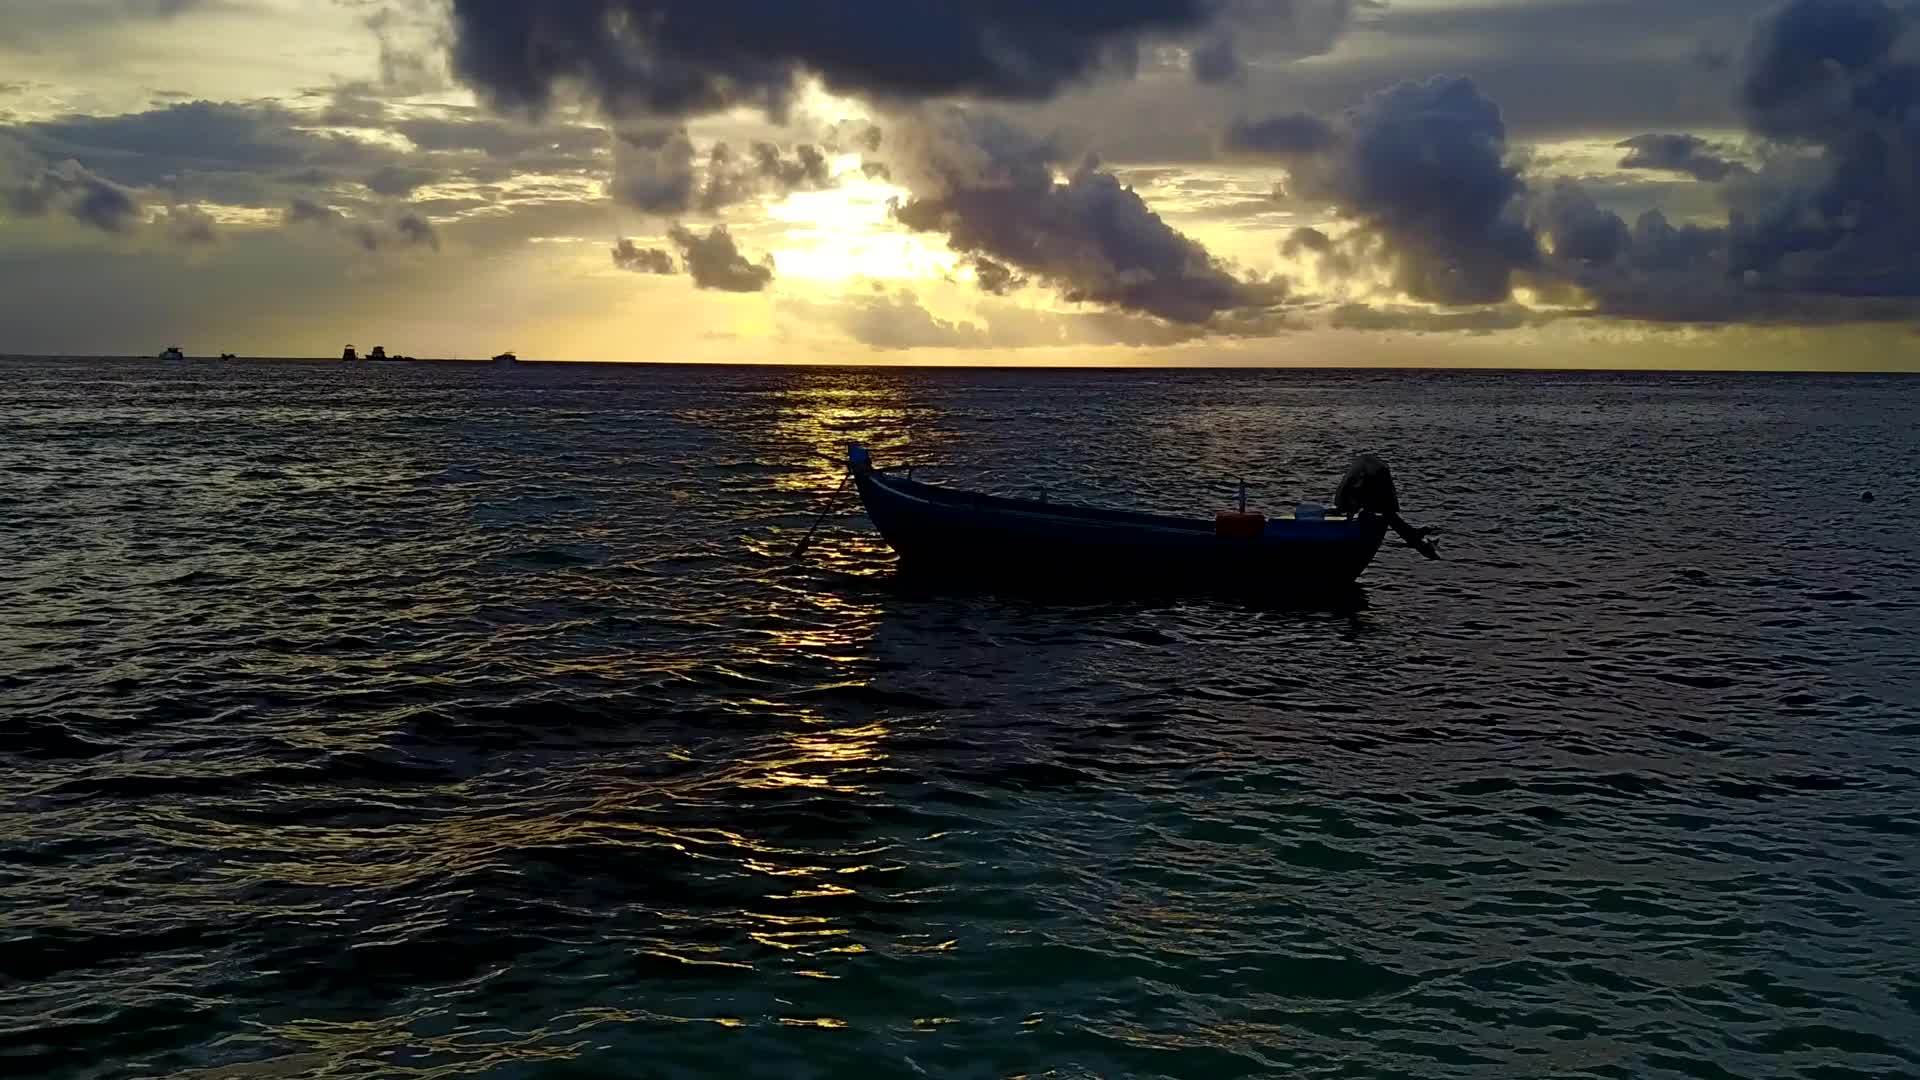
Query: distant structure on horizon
point(349, 354)
point(172, 354)
point(505, 359)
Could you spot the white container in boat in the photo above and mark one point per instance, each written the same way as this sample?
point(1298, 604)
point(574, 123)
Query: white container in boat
point(1309, 512)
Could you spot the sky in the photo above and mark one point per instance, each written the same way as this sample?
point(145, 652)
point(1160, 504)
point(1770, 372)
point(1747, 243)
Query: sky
point(1500, 183)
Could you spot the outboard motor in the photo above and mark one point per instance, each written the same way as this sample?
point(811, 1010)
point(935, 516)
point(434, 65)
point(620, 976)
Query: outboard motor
point(1368, 489)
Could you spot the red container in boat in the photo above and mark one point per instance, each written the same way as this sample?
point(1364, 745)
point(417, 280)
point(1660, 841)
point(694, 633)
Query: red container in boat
point(1239, 525)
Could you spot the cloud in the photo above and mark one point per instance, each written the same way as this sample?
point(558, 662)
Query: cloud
point(732, 178)
point(994, 277)
point(716, 263)
point(991, 189)
point(1398, 319)
point(261, 155)
point(308, 212)
point(1279, 30)
point(1578, 229)
point(406, 33)
point(406, 228)
point(413, 229)
point(29, 187)
point(1286, 134)
point(1420, 170)
point(1216, 61)
point(501, 140)
point(1840, 78)
point(396, 180)
point(630, 256)
point(1689, 155)
point(189, 226)
point(27, 23)
point(684, 57)
point(653, 171)
point(898, 320)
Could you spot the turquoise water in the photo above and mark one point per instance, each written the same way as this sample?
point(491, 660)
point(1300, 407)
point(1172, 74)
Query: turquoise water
point(433, 721)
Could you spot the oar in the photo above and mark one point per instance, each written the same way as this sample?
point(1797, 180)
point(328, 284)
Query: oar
point(817, 522)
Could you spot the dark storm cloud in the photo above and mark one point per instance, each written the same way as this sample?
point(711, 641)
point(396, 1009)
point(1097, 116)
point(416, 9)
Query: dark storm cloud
point(628, 255)
point(715, 263)
point(260, 154)
point(654, 172)
point(148, 148)
point(413, 229)
point(354, 105)
point(404, 228)
point(404, 31)
point(33, 187)
point(96, 202)
point(1828, 228)
point(1840, 78)
point(503, 140)
point(1689, 155)
point(308, 212)
point(1659, 245)
point(807, 170)
point(26, 22)
point(994, 277)
point(1580, 229)
point(1286, 133)
point(396, 180)
point(189, 226)
point(1421, 170)
point(733, 178)
point(679, 57)
point(991, 189)
point(1216, 61)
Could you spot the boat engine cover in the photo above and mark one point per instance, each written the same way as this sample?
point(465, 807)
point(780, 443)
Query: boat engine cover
point(1368, 486)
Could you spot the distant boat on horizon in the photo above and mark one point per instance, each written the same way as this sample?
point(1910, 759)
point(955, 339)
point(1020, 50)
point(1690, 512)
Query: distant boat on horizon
point(349, 354)
point(228, 356)
point(172, 354)
point(505, 359)
point(379, 353)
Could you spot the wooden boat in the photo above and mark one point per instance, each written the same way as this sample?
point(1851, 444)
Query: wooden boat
point(946, 531)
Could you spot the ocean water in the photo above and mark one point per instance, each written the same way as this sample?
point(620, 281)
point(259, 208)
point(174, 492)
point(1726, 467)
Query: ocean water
point(431, 721)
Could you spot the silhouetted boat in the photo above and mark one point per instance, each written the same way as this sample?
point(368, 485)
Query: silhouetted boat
point(228, 356)
point(946, 531)
point(505, 359)
point(172, 354)
point(379, 353)
point(349, 354)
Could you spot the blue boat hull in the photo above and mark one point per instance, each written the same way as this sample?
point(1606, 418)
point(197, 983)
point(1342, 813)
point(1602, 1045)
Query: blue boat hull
point(942, 531)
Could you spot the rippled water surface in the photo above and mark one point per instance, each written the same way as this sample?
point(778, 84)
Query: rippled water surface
point(425, 720)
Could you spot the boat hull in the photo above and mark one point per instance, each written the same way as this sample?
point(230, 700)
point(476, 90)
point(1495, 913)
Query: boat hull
point(939, 531)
